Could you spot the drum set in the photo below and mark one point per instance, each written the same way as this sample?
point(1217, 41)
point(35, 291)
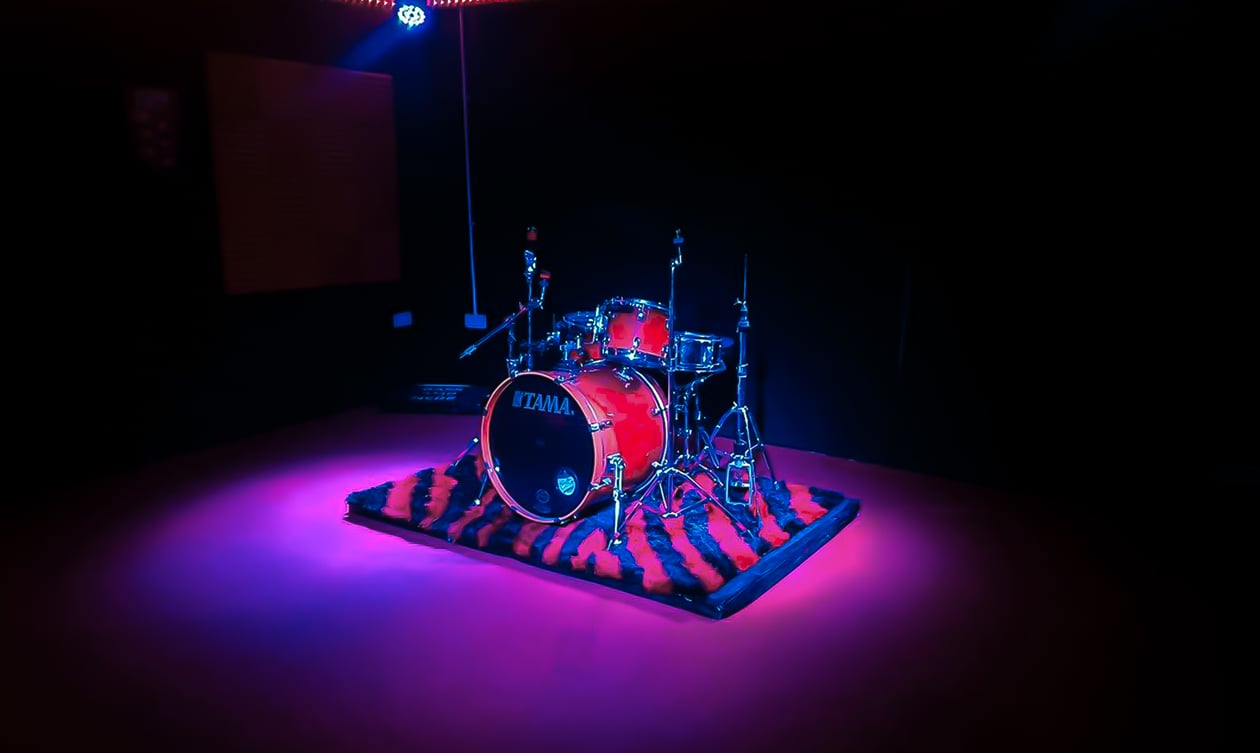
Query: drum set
point(605, 408)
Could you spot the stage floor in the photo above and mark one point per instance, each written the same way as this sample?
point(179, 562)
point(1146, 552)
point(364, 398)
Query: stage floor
point(219, 601)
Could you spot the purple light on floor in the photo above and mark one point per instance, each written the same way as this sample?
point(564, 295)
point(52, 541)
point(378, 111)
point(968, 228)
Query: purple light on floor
point(244, 594)
point(263, 568)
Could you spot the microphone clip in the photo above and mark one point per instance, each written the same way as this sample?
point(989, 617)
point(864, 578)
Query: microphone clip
point(544, 278)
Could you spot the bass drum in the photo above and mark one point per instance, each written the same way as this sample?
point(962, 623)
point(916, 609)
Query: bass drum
point(549, 436)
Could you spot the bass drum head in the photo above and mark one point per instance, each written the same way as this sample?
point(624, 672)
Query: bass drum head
point(539, 437)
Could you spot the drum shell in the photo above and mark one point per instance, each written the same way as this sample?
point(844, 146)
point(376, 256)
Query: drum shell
point(698, 353)
point(579, 346)
point(633, 331)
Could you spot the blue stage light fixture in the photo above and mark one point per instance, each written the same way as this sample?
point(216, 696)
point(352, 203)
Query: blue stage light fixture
point(410, 16)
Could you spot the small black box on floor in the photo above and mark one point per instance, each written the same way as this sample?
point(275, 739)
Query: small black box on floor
point(437, 398)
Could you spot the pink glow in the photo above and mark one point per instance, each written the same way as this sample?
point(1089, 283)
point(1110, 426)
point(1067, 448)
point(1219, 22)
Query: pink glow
point(242, 593)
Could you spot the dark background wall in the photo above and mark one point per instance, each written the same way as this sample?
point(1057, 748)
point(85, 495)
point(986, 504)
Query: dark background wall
point(979, 241)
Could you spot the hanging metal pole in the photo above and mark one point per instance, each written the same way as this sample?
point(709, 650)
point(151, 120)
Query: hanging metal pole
point(475, 320)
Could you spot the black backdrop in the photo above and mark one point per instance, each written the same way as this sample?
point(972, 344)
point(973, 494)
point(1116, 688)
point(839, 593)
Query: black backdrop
point(977, 239)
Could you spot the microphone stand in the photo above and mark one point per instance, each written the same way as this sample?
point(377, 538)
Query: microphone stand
point(513, 363)
point(526, 310)
point(508, 322)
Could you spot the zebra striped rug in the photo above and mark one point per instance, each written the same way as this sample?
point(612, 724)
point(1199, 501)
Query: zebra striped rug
point(697, 561)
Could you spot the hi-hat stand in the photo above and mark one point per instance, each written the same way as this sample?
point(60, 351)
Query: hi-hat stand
point(668, 472)
point(690, 429)
point(740, 466)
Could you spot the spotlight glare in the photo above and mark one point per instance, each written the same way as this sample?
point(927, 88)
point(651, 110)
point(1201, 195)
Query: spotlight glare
point(410, 15)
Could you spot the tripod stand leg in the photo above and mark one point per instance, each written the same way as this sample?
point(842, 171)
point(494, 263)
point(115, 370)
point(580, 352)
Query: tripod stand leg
point(485, 477)
point(755, 444)
point(653, 485)
point(699, 467)
point(481, 493)
point(708, 457)
point(741, 465)
point(620, 520)
point(706, 498)
point(617, 466)
point(717, 455)
point(472, 443)
point(694, 466)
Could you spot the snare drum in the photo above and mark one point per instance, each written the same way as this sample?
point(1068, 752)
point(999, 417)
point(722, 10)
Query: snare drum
point(698, 353)
point(633, 331)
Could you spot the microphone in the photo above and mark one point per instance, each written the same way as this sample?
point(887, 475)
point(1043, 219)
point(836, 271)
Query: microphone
point(531, 237)
point(544, 277)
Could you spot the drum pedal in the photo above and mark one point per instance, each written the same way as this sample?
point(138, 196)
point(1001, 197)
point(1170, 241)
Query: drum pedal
point(739, 474)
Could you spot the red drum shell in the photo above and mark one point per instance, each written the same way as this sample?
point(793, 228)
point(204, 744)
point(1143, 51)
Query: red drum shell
point(633, 331)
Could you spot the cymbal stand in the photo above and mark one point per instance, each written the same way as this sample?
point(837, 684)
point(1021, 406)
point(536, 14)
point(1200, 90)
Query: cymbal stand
point(662, 481)
point(531, 235)
point(741, 462)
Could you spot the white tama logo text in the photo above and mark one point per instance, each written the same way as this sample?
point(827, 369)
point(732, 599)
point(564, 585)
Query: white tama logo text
point(544, 403)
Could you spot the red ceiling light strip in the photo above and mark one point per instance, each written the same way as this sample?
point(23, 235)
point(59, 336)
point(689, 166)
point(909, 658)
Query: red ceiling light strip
point(463, 3)
point(429, 3)
point(375, 6)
